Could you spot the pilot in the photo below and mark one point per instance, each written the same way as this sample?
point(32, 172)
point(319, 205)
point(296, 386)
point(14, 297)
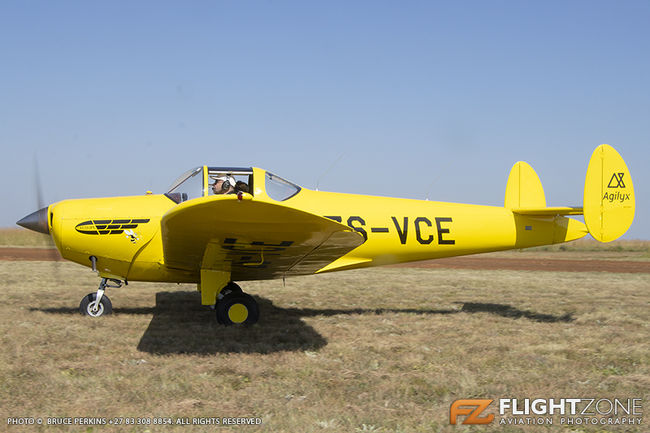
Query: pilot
point(241, 186)
point(224, 185)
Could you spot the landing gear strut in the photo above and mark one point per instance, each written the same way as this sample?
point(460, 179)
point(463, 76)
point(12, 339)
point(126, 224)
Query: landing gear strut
point(97, 304)
point(234, 307)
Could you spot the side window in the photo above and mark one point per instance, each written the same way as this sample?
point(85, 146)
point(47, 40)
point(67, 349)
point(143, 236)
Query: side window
point(236, 183)
point(280, 189)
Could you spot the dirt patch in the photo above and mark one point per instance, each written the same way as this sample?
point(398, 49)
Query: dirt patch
point(30, 254)
point(476, 262)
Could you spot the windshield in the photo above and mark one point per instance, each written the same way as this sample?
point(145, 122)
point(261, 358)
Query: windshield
point(188, 186)
point(280, 189)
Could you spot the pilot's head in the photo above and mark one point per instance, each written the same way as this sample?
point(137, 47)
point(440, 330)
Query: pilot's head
point(223, 184)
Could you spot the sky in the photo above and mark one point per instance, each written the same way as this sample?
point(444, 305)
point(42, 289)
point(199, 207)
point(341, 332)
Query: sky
point(420, 99)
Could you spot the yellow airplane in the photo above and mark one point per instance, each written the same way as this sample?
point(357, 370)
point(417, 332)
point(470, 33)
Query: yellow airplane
point(218, 225)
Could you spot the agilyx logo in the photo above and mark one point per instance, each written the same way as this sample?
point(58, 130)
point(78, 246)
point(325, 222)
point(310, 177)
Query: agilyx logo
point(470, 410)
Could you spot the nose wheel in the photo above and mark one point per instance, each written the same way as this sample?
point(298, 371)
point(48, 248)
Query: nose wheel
point(98, 304)
point(90, 307)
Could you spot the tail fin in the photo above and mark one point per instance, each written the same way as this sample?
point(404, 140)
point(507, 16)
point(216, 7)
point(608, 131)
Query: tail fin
point(536, 223)
point(524, 189)
point(525, 195)
point(609, 195)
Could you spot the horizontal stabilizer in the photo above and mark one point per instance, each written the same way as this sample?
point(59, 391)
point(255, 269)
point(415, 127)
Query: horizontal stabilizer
point(549, 211)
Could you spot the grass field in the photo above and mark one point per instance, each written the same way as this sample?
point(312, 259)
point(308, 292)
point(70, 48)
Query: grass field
point(382, 350)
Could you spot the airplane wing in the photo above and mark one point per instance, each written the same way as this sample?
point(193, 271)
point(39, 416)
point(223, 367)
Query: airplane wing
point(252, 239)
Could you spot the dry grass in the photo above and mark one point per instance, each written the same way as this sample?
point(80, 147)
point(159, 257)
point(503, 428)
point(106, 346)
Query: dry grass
point(375, 350)
point(590, 245)
point(586, 249)
point(630, 248)
point(19, 237)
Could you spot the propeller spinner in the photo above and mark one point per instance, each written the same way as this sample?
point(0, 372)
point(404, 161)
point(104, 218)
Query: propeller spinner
point(36, 221)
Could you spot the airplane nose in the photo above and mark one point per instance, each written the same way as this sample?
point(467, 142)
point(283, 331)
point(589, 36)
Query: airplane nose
point(36, 221)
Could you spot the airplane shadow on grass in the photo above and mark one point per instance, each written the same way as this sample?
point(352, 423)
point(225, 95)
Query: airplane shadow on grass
point(181, 325)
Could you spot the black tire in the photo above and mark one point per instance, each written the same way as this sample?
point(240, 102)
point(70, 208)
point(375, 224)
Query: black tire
point(88, 302)
point(237, 309)
point(231, 287)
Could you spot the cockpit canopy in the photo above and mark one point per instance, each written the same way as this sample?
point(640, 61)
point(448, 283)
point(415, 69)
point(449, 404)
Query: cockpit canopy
point(204, 181)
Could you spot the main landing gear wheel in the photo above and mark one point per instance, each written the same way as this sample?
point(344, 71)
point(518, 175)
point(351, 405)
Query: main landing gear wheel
point(237, 308)
point(90, 307)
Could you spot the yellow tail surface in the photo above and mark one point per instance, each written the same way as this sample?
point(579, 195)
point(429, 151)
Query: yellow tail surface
point(609, 200)
point(524, 189)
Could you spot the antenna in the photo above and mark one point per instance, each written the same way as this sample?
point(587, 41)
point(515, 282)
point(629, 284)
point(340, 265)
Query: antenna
point(428, 190)
point(328, 169)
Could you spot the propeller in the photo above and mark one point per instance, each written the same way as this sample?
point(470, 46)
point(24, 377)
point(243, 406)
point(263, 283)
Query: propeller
point(38, 221)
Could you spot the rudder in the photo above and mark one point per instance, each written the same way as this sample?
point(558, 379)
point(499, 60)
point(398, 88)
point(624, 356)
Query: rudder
point(609, 200)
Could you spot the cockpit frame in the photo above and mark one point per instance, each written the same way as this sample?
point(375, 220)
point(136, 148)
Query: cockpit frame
point(197, 181)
